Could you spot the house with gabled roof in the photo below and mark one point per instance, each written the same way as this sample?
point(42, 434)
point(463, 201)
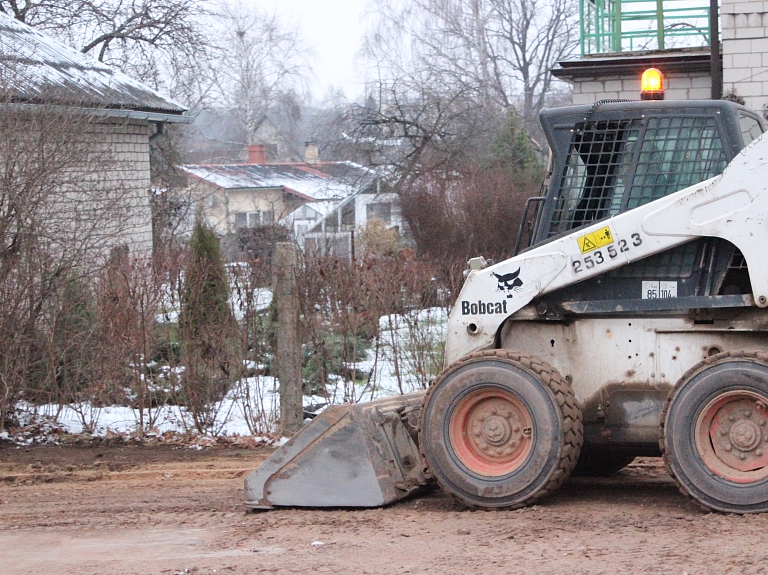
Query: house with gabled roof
point(233, 197)
point(39, 74)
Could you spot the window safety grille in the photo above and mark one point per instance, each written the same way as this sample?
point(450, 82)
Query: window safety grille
point(606, 174)
point(675, 263)
point(594, 177)
point(676, 153)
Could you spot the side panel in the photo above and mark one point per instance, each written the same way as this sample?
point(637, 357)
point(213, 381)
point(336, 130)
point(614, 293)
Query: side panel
point(621, 369)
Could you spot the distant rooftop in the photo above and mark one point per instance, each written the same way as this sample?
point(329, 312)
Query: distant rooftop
point(318, 181)
point(37, 68)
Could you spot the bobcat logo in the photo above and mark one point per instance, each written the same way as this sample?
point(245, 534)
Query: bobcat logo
point(509, 282)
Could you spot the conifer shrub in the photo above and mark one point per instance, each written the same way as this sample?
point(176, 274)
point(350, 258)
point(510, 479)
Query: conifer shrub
point(207, 328)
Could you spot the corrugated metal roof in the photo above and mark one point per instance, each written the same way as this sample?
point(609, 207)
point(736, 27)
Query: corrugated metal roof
point(38, 68)
point(321, 181)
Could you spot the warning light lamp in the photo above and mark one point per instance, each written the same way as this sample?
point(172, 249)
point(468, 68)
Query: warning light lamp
point(652, 85)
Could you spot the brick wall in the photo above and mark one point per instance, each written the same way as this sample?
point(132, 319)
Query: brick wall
point(100, 193)
point(679, 86)
point(745, 51)
point(126, 183)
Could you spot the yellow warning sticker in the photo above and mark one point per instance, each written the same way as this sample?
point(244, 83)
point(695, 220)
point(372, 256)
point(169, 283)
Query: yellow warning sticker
point(594, 240)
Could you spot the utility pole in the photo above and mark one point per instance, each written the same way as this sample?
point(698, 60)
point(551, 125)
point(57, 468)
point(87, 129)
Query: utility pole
point(716, 69)
point(286, 293)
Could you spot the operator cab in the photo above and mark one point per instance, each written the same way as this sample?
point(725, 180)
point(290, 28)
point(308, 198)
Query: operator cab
point(614, 156)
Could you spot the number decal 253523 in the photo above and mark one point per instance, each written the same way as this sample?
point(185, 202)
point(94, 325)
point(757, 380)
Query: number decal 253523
point(607, 253)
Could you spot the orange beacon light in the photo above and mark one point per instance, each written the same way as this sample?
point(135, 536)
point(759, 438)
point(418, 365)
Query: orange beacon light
point(652, 85)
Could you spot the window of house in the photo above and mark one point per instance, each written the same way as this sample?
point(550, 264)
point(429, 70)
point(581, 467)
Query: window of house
point(253, 219)
point(380, 210)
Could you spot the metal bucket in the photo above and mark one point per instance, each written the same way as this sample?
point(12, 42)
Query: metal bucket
point(358, 455)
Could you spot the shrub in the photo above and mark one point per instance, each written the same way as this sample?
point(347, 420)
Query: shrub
point(207, 329)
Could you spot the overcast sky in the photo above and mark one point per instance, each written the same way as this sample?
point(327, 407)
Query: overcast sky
point(334, 29)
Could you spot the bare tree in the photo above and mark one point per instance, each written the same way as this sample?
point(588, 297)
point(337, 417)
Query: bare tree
point(501, 50)
point(263, 62)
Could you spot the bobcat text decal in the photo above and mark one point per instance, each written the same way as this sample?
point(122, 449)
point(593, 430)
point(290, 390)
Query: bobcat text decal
point(483, 308)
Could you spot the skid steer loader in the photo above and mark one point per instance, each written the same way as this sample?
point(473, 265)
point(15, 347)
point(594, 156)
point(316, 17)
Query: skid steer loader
point(633, 324)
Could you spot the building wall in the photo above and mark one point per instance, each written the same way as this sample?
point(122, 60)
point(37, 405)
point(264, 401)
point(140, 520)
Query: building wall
point(128, 143)
point(744, 33)
point(679, 86)
point(745, 51)
point(100, 187)
point(220, 206)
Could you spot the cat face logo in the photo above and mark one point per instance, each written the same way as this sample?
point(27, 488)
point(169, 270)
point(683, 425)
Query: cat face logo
point(509, 282)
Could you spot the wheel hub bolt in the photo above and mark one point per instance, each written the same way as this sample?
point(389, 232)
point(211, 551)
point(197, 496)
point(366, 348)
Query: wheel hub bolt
point(728, 447)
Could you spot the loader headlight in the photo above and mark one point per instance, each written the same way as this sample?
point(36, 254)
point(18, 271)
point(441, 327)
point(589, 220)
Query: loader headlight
point(652, 85)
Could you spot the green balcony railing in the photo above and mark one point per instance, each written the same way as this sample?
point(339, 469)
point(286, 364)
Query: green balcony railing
point(634, 25)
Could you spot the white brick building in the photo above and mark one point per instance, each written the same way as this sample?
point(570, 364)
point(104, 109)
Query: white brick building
point(745, 51)
point(113, 118)
point(686, 75)
point(687, 71)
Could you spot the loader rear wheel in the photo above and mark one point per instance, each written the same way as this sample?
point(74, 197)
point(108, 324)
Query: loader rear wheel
point(715, 432)
point(500, 429)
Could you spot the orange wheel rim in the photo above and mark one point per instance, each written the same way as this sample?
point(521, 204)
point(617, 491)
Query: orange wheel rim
point(491, 432)
point(732, 436)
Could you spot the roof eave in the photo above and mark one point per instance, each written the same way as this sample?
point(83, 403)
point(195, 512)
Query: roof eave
point(175, 118)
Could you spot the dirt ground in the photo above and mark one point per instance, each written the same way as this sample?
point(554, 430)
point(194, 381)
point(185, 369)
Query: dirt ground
point(156, 510)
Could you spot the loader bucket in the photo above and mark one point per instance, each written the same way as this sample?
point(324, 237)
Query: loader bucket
point(357, 455)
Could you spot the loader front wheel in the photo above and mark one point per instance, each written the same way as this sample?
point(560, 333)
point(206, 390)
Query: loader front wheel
point(500, 429)
point(715, 432)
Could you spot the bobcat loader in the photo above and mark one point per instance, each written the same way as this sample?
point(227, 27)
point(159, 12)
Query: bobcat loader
point(634, 323)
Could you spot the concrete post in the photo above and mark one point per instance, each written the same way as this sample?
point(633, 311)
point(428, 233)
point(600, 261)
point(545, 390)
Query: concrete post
point(288, 358)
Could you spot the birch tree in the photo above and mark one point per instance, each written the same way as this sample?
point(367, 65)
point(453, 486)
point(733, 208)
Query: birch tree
point(262, 62)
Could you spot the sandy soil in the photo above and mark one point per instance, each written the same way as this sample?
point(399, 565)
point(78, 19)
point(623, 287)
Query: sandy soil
point(147, 510)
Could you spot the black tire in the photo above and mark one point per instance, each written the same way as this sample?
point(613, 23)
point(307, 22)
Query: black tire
point(463, 401)
point(599, 463)
point(715, 432)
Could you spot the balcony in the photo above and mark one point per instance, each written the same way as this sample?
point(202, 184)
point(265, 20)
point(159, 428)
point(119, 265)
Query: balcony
point(612, 26)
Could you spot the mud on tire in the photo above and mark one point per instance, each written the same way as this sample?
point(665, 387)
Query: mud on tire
point(500, 429)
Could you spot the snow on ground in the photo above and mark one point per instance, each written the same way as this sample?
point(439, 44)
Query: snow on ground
point(405, 343)
point(251, 407)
